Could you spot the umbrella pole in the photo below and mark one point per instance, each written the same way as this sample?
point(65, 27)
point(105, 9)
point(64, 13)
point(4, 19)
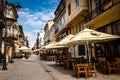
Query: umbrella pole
point(88, 52)
point(74, 51)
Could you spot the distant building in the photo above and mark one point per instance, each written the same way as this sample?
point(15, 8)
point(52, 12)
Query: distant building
point(40, 39)
point(47, 28)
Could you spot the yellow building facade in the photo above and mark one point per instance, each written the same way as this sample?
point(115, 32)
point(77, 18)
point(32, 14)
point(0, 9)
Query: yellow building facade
point(100, 15)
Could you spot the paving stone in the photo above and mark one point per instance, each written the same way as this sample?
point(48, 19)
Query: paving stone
point(35, 69)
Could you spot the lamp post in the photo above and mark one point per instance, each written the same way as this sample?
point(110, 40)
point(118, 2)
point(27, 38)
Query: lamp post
point(4, 67)
point(4, 57)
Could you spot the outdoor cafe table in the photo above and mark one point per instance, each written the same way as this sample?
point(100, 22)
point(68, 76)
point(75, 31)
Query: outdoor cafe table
point(69, 63)
point(51, 58)
point(60, 61)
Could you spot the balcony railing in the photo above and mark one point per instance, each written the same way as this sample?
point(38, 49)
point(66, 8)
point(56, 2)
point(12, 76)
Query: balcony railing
point(102, 7)
point(60, 27)
point(10, 35)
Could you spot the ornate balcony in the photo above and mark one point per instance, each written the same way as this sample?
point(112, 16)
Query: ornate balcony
point(10, 34)
point(78, 13)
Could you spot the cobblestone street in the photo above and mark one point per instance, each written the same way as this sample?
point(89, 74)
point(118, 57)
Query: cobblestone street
point(35, 69)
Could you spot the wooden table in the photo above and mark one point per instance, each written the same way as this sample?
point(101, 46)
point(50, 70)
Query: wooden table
point(51, 58)
point(60, 61)
point(69, 63)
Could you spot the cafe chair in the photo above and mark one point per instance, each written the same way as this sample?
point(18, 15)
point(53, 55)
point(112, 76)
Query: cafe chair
point(118, 66)
point(111, 67)
point(92, 69)
point(82, 69)
point(74, 68)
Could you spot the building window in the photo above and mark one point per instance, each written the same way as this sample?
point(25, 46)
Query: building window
point(69, 9)
point(72, 30)
point(63, 18)
point(98, 6)
point(78, 29)
point(77, 3)
point(99, 50)
point(81, 49)
point(116, 28)
point(117, 49)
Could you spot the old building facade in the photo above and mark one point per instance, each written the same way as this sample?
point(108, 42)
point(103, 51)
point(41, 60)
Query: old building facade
point(12, 36)
point(47, 28)
point(101, 15)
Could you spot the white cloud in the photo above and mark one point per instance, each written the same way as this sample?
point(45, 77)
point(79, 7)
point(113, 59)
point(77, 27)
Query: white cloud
point(36, 19)
point(31, 37)
point(53, 1)
point(32, 22)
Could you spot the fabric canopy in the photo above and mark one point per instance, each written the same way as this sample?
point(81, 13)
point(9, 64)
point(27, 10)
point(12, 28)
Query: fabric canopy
point(88, 35)
point(52, 45)
point(25, 49)
point(65, 40)
point(92, 36)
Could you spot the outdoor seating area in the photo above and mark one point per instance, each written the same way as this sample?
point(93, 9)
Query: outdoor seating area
point(109, 67)
point(87, 69)
point(79, 66)
point(82, 68)
point(86, 55)
point(49, 56)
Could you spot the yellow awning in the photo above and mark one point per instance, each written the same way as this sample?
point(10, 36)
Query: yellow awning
point(105, 18)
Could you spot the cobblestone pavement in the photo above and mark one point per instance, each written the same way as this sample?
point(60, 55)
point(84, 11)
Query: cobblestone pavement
point(35, 69)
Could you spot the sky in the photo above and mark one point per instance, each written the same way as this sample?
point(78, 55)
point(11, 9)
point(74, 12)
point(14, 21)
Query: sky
point(33, 16)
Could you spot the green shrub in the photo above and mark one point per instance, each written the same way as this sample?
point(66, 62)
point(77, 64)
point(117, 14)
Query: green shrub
point(14, 54)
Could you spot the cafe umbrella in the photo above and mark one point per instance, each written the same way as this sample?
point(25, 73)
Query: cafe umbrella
point(52, 45)
point(65, 40)
point(87, 36)
point(24, 49)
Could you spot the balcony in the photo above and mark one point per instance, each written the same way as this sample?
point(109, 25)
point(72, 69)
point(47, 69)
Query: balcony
point(11, 35)
point(107, 13)
point(1, 21)
point(78, 13)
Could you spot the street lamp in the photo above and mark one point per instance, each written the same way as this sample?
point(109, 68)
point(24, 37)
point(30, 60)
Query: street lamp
point(5, 33)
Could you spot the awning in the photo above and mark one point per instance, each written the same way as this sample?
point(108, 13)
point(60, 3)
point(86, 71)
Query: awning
point(89, 35)
point(52, 45)
point(105, 18)
point(65, 40)
point(25, 49)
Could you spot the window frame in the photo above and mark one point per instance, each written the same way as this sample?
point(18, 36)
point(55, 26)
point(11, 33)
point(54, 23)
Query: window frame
point(76, 3)
point(69, 9)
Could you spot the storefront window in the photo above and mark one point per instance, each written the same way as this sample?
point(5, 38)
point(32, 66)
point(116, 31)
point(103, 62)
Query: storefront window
point(81, 49)
point(116, 28)
point(117, 49)
point(99, 50)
